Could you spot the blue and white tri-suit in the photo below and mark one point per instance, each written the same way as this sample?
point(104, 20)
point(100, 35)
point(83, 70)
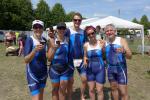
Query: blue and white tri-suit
point(117, 67)
point(36, 70)
point(76, 42)
point(59, 68)
point(95, 68)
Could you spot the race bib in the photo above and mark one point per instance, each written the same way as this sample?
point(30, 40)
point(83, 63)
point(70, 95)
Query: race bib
point(77, 62)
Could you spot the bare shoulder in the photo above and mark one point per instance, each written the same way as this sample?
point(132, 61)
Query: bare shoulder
point(86, 44)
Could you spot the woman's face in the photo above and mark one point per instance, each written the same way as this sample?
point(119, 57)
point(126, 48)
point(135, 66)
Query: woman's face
point(77, 21)
point(38, 30)
point(61, 31)
point(91, 34)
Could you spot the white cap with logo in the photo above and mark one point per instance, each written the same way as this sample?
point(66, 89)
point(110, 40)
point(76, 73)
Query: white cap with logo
point(39, 22)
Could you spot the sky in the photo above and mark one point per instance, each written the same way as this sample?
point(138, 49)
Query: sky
point(126, 9)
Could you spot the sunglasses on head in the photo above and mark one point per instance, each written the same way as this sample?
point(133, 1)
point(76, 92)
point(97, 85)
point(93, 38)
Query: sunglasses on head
point(61, 28)
point(37, 26)
point(77, 20)
point(89, 34)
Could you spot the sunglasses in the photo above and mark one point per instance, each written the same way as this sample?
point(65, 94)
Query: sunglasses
point(61, 28)
point(77, 20)
point(37, 27)
point(91, 34)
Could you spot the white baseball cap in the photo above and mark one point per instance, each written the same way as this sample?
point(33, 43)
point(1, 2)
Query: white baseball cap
point(39, 22)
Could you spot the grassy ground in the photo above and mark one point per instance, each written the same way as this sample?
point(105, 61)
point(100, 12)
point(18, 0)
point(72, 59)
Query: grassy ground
point(14, 86)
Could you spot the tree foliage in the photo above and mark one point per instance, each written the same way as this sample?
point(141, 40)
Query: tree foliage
point(19, 14)
point(15, 14)
point(58, 14)
point(69, 16)
point(135, 20)
point(144, 21)
point(42, 12)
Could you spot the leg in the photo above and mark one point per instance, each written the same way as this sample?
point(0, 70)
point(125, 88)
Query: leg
point(123, 91)
point(83, 86)
point(114, 90)
point(62, 89)
point(70, 88)
point(55, 89)
point(123, 83)
point(100, 93)
point(83, 76)
point(36, 97)
point(55, 81)
point(41, 93)
point(91, 85)
point(70, 84)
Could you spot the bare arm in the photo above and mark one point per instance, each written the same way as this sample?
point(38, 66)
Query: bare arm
point(85, 54)
point(51, 51)
point(31, 55)
point(127, 50)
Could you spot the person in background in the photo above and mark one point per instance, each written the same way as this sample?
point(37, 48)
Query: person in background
point(14, 38)
point(93, 61)
point(76, 41)
point(59, 69)
point(21, 42)
point(36, 61)
point(117, 51)
point(8, 39)
point(17, 35)
point(99, 33)
point(51, 36)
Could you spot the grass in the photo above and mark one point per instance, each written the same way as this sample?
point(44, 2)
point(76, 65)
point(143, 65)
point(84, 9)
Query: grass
point(14, 86)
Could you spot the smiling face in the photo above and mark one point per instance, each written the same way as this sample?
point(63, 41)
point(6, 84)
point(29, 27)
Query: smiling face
point(38, 30)
point(110, 31)
point(91, 34)
point(77, 21)
point(51, 33)
point(61, 31)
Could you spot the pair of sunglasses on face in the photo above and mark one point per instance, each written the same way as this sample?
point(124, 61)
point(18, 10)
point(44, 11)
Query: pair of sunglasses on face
point(77, 20)
point(89, 34)
point(37, 27)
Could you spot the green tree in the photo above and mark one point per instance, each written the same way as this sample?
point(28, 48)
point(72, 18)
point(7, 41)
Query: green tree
point(135, 20)
point(69, 16)
point(15, 14)
point(42, 12)
point(58, 14)
point(144, 21)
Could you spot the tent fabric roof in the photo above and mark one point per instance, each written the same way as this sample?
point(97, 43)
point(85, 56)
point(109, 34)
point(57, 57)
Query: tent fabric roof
point(118, 22)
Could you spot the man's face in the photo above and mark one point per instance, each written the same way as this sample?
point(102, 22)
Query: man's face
point(110, 32)
point(77, 21)
point(51, 33)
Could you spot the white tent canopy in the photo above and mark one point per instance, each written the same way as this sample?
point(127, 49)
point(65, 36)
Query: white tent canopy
point(119, 24)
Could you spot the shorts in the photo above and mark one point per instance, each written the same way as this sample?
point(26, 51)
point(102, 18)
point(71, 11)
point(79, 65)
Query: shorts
point(96, 74)
point(117, 74)
point(34, 83)
point(81, 69)
point(57, 77)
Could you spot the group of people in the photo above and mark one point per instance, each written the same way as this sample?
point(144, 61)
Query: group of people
point(74, 48)
point(12, 40)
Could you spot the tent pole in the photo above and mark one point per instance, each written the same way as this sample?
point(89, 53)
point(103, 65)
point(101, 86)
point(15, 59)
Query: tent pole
point(143, 41)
